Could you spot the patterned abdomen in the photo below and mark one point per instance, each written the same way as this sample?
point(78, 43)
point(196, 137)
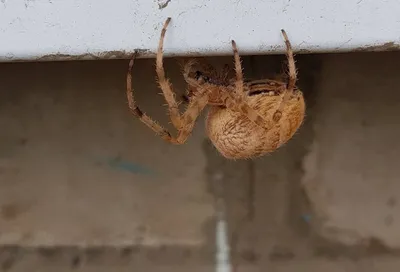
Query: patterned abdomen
point(236, 137)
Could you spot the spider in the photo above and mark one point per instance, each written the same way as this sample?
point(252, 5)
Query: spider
point(247, 118)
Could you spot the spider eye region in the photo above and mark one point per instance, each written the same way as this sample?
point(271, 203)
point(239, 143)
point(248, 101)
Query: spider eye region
point(198, 74)
point(200, 77)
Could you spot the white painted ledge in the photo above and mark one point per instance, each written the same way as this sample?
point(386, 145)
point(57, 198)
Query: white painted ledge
point(81, 29)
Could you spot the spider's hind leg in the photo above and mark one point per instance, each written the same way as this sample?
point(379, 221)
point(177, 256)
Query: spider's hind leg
point(291, 80)
point(291, 63)
point(239, 71)
point(236, 101)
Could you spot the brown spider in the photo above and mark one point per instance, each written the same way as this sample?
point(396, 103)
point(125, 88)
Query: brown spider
point(247, 119)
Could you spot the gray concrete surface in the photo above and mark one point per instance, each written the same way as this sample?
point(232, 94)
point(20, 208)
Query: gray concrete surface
point(282, 219)
point(352, 173)
point(85, 186)
point(78, 170)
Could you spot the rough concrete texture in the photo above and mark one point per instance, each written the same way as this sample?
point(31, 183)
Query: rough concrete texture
point(72, 152)
point(77, 169)
point(352, 171)
point(273, 212)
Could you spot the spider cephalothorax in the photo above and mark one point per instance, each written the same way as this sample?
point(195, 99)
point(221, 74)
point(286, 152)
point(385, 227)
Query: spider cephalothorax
point(247, 118)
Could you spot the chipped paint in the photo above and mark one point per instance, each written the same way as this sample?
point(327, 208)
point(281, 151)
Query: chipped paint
point(103, 55)
point(108, 55)
point(163, 3)
point(389, 46)
point(146, 53)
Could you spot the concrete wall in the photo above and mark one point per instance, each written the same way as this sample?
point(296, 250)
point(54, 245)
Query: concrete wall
point(328, 199)
point(76, 169)
point(352, 170)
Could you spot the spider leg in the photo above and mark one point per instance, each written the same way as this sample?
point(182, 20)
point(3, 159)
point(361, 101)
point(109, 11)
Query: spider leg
point(239, 71)
point(164, 83)
point(291, 63)
point(292, 78)
point(236, 101)
point(136, 111)
point(188, 118)
point(195, 107)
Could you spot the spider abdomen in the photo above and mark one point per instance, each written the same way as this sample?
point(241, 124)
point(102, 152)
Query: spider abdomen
point(236, 137)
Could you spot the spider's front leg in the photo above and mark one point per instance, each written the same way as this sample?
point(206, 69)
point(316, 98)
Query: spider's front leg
point(181, 122)
point(164, 83)
point(136, 111)
point(185, 123)
point(187, 120)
